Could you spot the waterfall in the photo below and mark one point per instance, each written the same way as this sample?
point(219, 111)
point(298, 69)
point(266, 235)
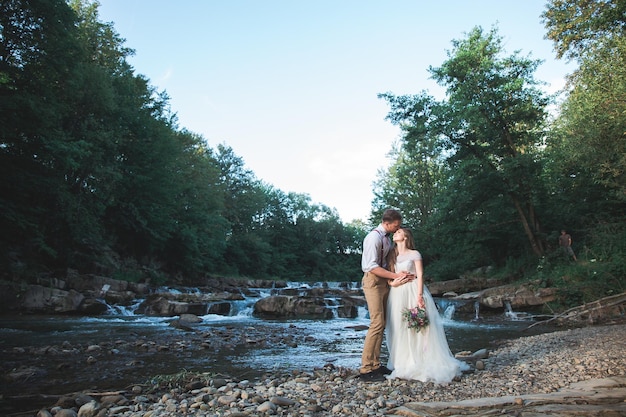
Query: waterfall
point(298, 285)
point(446, 307)
point(476, 310)
point(342, 285)
point(449, 312)
point(333, 306)
point(264, 293)
point(242, 308)
point(118, 310)
point(508, 311)
point(363, 313)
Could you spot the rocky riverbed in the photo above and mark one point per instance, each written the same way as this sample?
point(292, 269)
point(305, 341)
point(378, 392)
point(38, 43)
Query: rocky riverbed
point(581, 366)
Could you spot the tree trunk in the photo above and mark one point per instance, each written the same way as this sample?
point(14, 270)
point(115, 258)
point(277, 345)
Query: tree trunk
point(535, 242)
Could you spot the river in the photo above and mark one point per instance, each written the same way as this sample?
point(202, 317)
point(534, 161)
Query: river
point(135, 348)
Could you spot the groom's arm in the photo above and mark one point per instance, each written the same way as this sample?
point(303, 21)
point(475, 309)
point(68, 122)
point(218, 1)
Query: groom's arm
point(372, 247)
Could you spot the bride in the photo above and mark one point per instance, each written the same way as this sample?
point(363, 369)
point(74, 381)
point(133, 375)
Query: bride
point(423, 355)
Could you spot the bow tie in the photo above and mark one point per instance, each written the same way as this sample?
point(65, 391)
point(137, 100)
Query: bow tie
point(387, 234)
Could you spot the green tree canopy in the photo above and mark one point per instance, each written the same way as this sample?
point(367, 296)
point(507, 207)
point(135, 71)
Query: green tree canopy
point(577, 26)
point(469, 165)
point(98, 176)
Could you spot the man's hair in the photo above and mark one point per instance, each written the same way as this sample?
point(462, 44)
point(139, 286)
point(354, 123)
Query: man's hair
point(391, 215)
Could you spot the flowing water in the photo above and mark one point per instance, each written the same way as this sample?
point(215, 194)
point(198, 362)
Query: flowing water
point(338, 340)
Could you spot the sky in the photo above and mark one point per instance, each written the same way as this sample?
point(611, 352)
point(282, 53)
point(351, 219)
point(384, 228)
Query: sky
point(292, 86)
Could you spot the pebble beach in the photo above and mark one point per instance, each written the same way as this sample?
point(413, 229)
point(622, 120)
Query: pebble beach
point(540, 364)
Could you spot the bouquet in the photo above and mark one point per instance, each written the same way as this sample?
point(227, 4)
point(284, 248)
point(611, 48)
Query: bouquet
point(416, 318)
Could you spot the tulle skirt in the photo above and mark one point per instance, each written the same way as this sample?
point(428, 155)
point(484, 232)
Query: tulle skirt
point(424, 355)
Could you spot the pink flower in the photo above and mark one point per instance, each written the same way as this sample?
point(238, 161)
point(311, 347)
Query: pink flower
point(416, 318)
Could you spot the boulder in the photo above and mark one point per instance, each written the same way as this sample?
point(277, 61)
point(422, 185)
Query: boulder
point(139, 287)
point(119, 297)
point(51, 300)
point(221, 308)
point(162, 307)
point(347, 312)
point(519, 296)
point(461, 285)
point(190, 319)
point(93, 307)
point(349, 307)
point(292, 306)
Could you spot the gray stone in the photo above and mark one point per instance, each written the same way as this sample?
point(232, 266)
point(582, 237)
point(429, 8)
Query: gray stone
point(481, 354)
point(282, 401)
point(65, 412)
point(89, 409)
point(226, 399)
point(113, 411)
point(266, 407)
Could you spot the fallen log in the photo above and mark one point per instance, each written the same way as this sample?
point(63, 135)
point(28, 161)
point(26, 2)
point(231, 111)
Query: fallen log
point(600, 308)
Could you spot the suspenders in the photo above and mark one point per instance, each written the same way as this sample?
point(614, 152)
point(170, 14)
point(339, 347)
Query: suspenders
point(382, 248)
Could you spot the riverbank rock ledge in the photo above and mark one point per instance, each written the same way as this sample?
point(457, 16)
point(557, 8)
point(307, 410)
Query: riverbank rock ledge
point(309, 307)
point(95, 295)
point(518, 296)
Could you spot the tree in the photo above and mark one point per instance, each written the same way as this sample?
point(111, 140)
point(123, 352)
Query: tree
point(587, 163)
point(578, 26)
point(495, 116)
point(590, 135)
point(243, 193)
point(418, 173)
point(198, 239)
point(466, 170)
point(98, 176)
point(39, 56)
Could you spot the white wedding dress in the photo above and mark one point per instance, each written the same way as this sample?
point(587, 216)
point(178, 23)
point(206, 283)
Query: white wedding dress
point(424, 355)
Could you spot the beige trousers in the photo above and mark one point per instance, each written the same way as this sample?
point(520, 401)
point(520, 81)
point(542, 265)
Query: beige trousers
point(376, 291)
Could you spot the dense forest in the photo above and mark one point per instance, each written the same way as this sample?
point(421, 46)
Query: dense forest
point(98, 176)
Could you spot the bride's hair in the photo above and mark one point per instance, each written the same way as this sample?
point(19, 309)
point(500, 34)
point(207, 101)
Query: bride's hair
point(393, 254)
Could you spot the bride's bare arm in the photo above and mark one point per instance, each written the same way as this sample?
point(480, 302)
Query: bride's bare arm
point(419, 275)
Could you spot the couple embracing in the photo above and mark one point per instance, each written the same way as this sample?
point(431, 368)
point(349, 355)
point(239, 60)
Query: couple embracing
point(393, 283)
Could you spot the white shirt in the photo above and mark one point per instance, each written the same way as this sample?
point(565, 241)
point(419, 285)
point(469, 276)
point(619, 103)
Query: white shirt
point(375, 244)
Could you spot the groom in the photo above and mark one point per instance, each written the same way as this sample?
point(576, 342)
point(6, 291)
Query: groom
point(375, 284)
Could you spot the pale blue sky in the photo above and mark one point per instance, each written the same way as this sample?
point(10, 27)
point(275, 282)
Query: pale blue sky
point(292, 86)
